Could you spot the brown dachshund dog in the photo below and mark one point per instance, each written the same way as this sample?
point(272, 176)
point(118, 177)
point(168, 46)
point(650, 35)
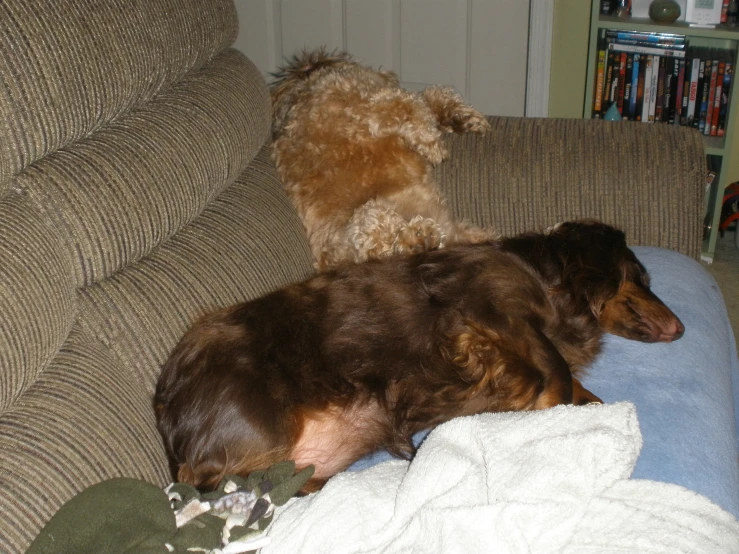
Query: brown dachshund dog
point(362, 357)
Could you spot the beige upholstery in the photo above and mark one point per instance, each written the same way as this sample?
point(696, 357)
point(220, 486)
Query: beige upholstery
point(70, 67)
point(532, 173)
point(136, 192)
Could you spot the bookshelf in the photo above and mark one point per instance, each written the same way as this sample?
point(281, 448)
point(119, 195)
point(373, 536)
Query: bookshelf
point(723, 150)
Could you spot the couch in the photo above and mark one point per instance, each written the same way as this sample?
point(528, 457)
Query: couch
point(137, 192)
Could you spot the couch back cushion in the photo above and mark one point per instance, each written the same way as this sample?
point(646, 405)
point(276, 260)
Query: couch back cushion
point(69, 67)
point(136, 193)
point(530, 173)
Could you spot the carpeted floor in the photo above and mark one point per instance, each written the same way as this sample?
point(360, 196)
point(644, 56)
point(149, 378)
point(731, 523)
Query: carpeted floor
point(725, 269)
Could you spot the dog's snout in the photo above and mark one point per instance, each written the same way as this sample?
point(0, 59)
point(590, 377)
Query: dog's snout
point(673, 331)
point(668, 330)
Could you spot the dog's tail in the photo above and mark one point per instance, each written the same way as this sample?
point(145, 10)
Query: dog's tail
point(290, 79)
point(301, 65)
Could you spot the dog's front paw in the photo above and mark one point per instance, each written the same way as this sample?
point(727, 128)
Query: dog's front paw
point(452, 112)
point(419, 235)
point(468, 120)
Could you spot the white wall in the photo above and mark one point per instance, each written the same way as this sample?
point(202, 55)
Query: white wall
point(478, 46)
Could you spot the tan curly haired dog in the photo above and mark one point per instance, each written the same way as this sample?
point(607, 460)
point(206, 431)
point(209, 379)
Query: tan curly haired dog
point(355, 152)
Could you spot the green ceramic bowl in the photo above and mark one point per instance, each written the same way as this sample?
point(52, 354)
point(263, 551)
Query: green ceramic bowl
point(664, 11)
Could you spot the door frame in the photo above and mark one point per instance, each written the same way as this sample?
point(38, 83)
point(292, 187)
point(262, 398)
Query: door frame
point(541, 21)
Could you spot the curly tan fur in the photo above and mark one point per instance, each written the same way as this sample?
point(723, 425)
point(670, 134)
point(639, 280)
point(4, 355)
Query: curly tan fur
point(356, 153)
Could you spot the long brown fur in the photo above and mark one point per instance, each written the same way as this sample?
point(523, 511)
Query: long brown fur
point(362, 357)
point(356, 151)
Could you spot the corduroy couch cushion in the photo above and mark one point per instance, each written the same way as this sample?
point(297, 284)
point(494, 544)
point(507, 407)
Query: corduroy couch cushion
point(532, 173)
point(136, 192)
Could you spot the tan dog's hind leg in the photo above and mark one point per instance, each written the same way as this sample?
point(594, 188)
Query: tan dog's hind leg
point(415, 219)
point(452, 113)
point(423, 203)
point(372, 231)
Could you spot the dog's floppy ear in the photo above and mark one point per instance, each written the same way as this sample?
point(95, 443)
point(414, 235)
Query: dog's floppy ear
point(590, 254)
point(598, 288)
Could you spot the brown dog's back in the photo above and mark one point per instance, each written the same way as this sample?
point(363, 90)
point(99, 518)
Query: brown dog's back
point(371, 353)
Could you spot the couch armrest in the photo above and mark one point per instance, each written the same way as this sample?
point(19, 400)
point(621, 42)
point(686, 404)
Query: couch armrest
point(528, 174)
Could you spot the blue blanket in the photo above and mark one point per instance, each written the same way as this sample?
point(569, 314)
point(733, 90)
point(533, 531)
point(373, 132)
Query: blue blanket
point(686, 393)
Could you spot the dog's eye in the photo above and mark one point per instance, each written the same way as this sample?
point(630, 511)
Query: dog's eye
point(633, 307)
